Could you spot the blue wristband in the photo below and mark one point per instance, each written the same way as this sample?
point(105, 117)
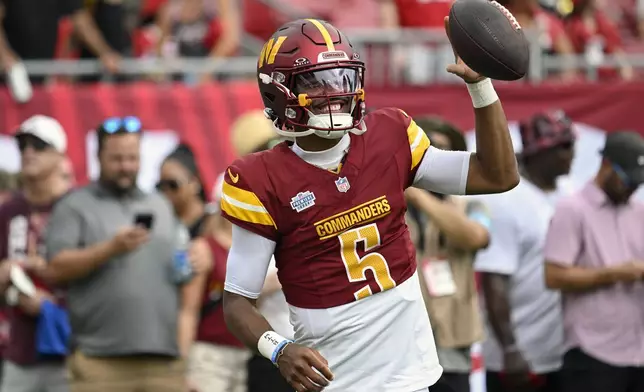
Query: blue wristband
point(278, 349)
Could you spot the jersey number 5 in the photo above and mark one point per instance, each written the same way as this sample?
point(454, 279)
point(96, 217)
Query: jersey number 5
point(357, 266)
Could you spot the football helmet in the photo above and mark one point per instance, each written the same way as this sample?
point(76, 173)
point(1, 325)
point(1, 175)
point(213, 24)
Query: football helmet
point(311, 81)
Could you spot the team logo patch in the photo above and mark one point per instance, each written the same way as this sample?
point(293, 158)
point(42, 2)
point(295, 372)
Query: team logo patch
point(301, 61)
point(342, 184)
point(302, 201)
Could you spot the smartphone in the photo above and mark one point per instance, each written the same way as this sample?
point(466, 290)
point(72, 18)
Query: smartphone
point(144, 220)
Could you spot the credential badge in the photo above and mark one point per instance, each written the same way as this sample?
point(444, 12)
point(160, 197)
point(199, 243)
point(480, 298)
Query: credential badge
point(342, 184)
point(302, 201)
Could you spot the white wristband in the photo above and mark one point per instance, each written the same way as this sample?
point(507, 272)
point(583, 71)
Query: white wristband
point(270, 344)
point(482, 93)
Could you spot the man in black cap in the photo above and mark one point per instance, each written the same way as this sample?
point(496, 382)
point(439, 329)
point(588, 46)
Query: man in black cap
point(594, 256)
point(623, 165)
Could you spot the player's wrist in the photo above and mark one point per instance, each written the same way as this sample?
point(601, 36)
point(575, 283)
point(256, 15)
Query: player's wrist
point(482, 93)
point(271, 345)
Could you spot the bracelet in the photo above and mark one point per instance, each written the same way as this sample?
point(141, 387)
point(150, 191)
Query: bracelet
point(482, 93)
point(271, 344)
point(280, 351)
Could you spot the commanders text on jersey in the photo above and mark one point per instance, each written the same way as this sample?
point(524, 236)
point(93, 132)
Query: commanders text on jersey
point(364, 213)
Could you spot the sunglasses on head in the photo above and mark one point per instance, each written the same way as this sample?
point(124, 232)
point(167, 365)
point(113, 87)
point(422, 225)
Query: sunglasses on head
point(129, 124)
point(171, 185)
point(25, 141)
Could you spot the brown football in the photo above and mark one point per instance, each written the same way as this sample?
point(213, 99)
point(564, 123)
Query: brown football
point(488, 39)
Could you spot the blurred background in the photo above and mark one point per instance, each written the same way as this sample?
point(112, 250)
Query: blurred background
point(186, 69)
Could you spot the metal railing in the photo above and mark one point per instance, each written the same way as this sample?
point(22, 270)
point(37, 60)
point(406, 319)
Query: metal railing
point(378, 44)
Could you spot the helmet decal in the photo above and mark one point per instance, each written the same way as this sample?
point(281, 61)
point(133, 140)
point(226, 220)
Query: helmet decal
point(269, 51)
point(311, 80)
point(325, 34)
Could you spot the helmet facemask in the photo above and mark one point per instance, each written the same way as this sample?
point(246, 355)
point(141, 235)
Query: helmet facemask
point(327, 102)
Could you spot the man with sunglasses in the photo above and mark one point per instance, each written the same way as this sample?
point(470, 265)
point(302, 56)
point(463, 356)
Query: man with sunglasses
point(594, 255)
point(42, 143)
point(522, 350)
point(122, 299)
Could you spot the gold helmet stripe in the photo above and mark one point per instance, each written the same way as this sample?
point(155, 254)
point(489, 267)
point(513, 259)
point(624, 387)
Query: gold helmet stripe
point(325, 34)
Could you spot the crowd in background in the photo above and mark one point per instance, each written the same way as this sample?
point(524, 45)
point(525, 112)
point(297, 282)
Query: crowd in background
point(171, 29)
point(107, 288)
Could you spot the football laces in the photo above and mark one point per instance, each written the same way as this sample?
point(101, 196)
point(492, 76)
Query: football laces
point(507, 14)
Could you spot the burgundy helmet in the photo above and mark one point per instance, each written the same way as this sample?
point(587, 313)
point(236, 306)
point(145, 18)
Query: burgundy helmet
point(311, 80)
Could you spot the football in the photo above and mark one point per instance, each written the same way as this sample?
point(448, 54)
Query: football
point(488, 39)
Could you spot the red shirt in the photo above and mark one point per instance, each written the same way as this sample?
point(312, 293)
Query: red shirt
point(340, 236)
point(580, 34)
point(20, 220)
point(212, 327)
point(423, 13)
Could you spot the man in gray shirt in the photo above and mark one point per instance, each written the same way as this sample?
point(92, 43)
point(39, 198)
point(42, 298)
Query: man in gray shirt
point(123, 298)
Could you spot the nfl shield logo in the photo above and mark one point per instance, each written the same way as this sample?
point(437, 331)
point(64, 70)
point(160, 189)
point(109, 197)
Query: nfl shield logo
point(342, 184)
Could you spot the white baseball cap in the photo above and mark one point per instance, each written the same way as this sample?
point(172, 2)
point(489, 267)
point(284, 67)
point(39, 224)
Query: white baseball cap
point(46, 129)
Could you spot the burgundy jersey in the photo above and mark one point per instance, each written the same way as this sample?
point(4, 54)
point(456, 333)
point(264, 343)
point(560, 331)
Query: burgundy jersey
point(21, 223)
point(212, 327)
point(340, 236)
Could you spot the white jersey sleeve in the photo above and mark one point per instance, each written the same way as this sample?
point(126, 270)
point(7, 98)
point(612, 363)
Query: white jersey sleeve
point(443, 171)
point(249, 258)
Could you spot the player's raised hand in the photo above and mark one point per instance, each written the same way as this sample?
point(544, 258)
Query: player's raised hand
point(304, 368)
point(459, 68)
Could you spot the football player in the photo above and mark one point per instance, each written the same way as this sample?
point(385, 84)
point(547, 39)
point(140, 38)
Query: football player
point(329, 205)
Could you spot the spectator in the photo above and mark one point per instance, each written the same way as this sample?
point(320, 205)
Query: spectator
point(122, 299)
point(522, 350)
point(341, 13)
point(252, 132)
point(543, 28)
point(628, 17)
point(594, 255)
point(427, 60)
point(455, 230)
point(216, 359)
point(414, 13)
point(42, 143)
point(31, 35)
point(110, 19)
point(199, 28)
point(66, 174)
point(8, 185)
point(593, 34)
point(261, 20)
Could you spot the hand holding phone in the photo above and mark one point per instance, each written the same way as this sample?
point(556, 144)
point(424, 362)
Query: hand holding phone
point(128, 239)
point(144, 220)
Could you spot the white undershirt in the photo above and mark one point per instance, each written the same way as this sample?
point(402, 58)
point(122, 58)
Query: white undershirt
point(250, 254)
point(328, 159)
